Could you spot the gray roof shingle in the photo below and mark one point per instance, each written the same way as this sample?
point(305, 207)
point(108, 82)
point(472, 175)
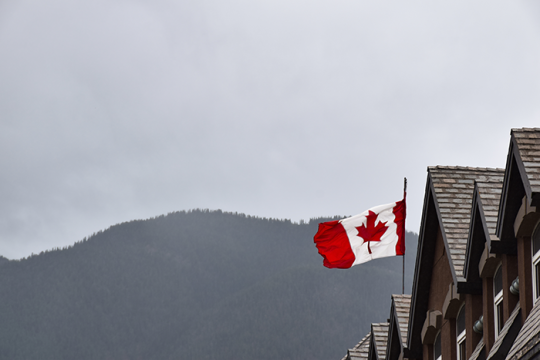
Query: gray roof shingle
point(528, 143)
point(490, 196)
point(477, 350)
point(360, 351)
point(402, 305)
point(504, 331)
point(454, 188)
point(528, 336)
point(379, 333)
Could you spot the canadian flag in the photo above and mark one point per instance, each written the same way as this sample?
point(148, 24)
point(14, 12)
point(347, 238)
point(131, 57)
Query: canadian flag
point(375, 233)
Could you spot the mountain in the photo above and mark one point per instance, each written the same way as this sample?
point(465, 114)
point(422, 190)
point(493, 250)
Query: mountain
point(197, 284)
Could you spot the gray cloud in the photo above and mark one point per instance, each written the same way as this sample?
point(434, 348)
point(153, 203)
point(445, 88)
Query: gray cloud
point(111, 111)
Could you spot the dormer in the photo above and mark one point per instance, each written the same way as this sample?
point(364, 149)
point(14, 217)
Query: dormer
point(398, 326)
point(439, 285)
point(378, 342)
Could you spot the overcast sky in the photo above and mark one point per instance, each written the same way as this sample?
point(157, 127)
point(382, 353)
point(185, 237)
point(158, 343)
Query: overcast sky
point(118, 110)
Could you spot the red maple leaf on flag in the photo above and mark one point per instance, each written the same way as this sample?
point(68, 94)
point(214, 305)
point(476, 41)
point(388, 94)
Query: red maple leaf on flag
point(369, 232)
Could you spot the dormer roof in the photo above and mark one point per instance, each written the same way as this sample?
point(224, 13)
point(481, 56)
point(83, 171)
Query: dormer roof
point(521, 178)
point(489, 195)
point(527, 343)
point(379, 339)
point(528, 147)
point(453, 188)
point(399, 323)
point(360, 351)
point(447, 210)
point(506, 337)
point(483, 224)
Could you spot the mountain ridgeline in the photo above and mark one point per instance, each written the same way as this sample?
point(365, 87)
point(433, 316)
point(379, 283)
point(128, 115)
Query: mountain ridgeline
point(193, 285)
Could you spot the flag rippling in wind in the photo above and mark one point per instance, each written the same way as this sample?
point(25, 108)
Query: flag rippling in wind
point(375, 233)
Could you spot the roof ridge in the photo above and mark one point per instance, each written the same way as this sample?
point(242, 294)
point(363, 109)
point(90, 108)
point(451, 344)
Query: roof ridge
point(469, 168)
point(524, 129)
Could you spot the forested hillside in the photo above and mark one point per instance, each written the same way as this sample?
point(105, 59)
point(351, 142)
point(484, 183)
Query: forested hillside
point(193, 285)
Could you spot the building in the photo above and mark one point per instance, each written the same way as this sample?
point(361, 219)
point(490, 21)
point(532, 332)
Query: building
point(477, 274)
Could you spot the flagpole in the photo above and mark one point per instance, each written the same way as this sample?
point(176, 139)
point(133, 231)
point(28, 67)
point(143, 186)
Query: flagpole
point(404, 233)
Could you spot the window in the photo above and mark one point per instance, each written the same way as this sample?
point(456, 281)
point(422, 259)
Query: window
point(498, 300)
point(460, 331)
point(536, 263)
point(437, 355)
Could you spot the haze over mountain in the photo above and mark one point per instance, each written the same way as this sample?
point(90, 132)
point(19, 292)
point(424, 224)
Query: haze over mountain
point(198, 284)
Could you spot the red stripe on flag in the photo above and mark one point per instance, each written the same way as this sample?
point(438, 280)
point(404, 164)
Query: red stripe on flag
point(333, 245)
point(400, 212)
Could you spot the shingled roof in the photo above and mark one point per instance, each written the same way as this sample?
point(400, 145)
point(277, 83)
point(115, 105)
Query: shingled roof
point(527, 342)
point(453, 187)
point(402, 305)
point(528, 144)
point(483, 226)
point(479, 351)
point(448, 206)
point(398, 327)
point(506, 337)
point(360, 351)
point(522, 178)
point(490, 195)
point(379, 339)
